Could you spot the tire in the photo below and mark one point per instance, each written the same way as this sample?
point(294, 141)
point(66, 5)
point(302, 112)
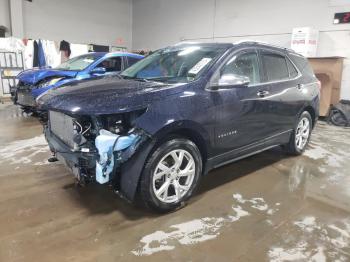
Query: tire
point(162, 174)
point(295, 146)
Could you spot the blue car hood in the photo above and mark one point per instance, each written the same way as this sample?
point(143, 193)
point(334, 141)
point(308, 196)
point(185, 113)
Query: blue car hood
point(33, 76)
point(108, 95)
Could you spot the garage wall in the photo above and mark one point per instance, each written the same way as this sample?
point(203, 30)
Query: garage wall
point(79, 21)
point(157, 23)
point(5, 14)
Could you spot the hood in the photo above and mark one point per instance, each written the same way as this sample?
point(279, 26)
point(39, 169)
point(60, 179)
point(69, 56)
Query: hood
point(108, 95)
point(33, 76)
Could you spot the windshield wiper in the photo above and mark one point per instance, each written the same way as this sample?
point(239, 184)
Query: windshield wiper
point(160, 78)
point(135, 78)
point(148, 79)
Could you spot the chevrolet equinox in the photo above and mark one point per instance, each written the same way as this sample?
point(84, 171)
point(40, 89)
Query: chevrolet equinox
point(160, 125)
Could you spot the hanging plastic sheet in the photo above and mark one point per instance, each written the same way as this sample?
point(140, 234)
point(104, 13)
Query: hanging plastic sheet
point(107, 143)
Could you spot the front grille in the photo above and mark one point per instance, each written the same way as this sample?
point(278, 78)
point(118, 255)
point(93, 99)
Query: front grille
point(24, 86)
point(25, 98)
point(62, 126)
point(83, 162)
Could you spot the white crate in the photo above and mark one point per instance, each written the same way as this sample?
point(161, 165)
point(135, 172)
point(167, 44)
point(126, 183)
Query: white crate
point(305, 41)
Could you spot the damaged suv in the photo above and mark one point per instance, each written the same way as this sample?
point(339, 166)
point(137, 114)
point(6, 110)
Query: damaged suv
point(182, 111)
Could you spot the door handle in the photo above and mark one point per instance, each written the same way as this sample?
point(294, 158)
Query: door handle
point(263, 93)
point(300, 86)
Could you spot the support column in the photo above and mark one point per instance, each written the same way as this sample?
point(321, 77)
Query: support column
point(16, 12)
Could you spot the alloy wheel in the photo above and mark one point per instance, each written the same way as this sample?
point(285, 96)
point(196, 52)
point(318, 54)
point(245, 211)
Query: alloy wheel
point(302, 133)
point(174, 176)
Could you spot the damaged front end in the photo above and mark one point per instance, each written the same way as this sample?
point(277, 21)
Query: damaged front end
point(95, 148)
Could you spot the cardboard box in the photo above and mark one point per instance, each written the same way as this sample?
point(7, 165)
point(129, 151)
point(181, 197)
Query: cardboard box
point(329, 71)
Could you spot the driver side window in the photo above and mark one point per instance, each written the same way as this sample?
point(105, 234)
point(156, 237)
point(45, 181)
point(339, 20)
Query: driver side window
point(113, 64)
point(246, 64)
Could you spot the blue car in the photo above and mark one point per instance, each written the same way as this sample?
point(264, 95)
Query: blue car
point(32, 83)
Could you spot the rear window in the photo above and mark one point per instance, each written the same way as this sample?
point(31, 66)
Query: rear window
point(293, 72)
point(275, 66)
point(302, 63)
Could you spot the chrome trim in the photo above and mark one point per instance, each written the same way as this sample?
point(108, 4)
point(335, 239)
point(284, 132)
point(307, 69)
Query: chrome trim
point(252, 145)
point(244, 156)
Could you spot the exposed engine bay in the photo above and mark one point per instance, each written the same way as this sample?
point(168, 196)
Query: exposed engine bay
point(95, 146)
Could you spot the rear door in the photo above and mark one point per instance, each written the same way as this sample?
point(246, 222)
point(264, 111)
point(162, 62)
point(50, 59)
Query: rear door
point(285, 99)
point(241, 111)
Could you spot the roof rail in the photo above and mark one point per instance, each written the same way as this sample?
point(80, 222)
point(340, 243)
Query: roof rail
point(186, 42)
point(262, 43)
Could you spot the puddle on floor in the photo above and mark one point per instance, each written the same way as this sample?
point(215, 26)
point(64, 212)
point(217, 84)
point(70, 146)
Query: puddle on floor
point(201, 229)
point(25, 152)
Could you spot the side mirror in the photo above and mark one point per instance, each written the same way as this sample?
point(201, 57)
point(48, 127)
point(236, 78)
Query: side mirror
point(98, 71)
point(232, 80)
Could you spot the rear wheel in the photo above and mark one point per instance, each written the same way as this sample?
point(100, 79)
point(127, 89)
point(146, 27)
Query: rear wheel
point(171, 175)
point(301, 134)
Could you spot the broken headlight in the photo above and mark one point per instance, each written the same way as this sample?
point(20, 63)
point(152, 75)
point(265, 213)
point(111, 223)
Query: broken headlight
point(120, 123)
point(84, 133)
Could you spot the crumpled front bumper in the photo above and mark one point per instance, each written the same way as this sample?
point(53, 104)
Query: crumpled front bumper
point(83, 165)
point(80, 163)
point(25, 98)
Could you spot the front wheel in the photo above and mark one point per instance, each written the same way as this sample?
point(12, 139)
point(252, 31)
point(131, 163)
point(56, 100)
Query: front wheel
point(301, 134)
point(171, 175)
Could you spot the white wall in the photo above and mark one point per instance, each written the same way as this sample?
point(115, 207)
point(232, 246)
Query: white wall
point(5, 14)
point(157, 23)
point(79, 21)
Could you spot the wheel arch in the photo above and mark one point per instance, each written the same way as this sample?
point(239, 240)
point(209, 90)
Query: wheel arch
point(188, 130)
point(131, 171)
point(312, 113)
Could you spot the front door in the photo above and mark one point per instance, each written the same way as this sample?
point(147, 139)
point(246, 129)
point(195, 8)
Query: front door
point(112, 65)
point(241, 111)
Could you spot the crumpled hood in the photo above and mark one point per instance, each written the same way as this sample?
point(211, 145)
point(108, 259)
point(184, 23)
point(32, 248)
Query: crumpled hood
point(32, 76)
point(107, 95)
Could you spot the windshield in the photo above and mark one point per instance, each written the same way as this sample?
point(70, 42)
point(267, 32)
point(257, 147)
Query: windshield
point(174, 64)
point(78, 63)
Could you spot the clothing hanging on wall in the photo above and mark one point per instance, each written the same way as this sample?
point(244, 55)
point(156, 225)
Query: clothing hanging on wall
point(28, 53)
point(52, 54)
point(35, 54)
point(11, 44)
point(41, 55)
point(65, 50)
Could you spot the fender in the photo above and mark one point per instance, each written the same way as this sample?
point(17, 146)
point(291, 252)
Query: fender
point(131, 170)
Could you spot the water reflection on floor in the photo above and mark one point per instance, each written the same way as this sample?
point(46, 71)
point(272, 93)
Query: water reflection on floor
point(269, 207)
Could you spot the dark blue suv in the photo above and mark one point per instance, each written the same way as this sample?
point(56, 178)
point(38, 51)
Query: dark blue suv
point(182, 111)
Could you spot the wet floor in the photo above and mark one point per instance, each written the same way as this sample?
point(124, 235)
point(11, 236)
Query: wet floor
point(269, 207)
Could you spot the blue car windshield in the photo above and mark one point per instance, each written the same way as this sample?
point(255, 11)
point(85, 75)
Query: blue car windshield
point(175, 64)
point(78, 63)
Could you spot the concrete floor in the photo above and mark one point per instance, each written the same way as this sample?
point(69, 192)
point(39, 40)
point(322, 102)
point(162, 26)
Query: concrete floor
point(269, 207)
